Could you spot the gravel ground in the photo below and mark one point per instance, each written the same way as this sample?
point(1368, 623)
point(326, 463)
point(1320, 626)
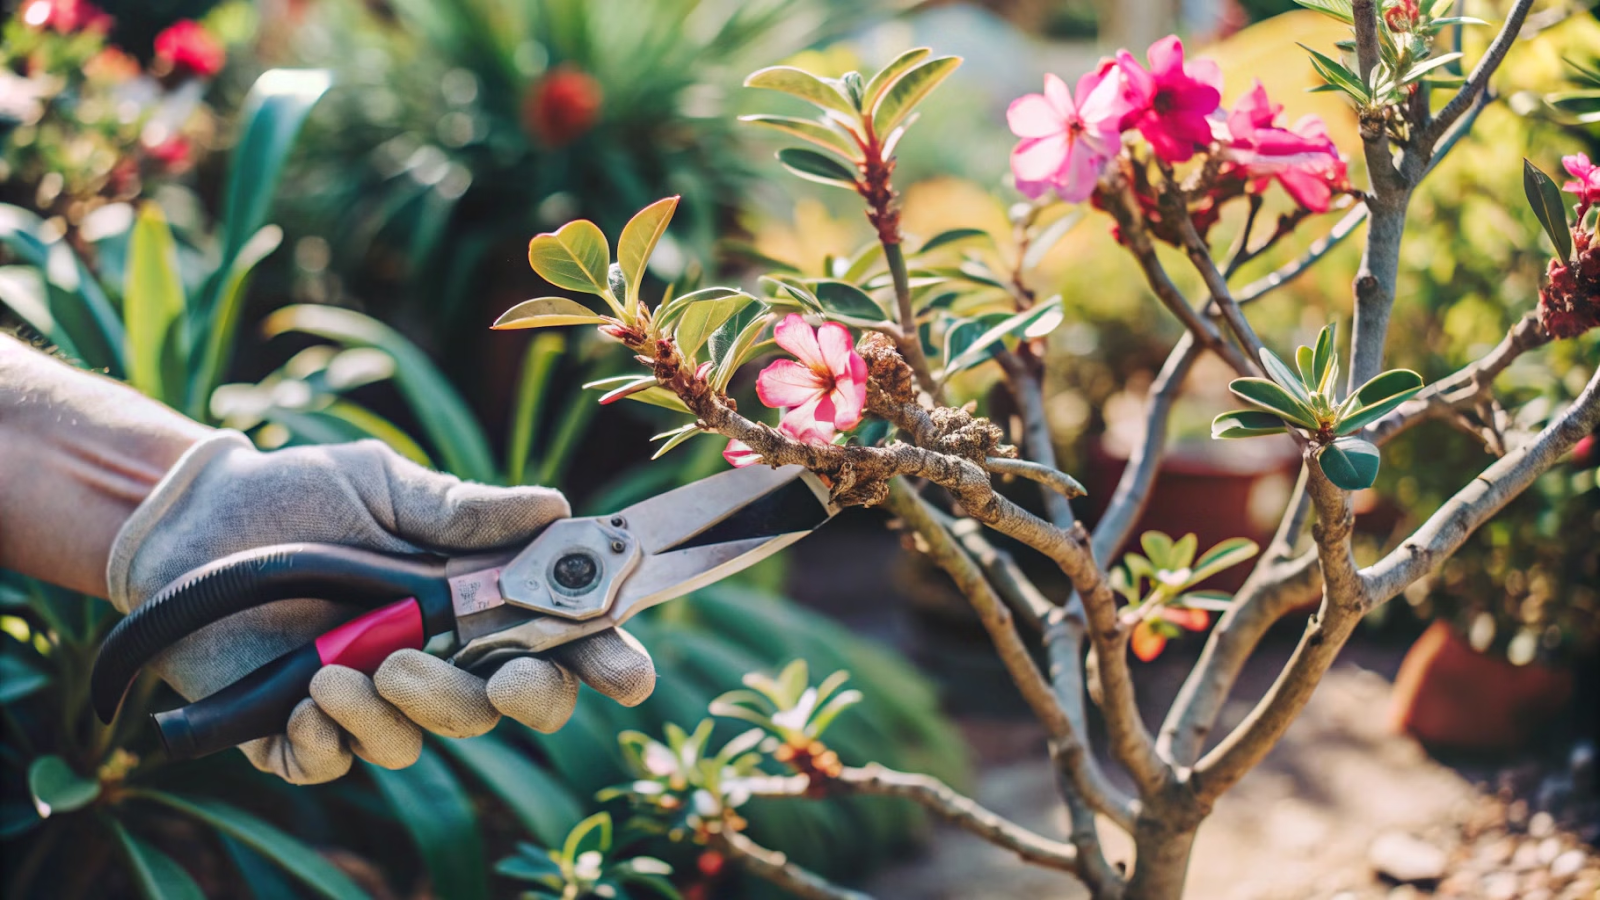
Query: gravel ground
point(1337, 801)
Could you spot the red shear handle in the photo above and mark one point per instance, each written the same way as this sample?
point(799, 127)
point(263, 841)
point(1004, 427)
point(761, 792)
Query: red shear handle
point(259, 704)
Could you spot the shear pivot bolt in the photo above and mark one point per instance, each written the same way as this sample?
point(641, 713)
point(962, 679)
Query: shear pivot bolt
point(576, 571)
point(618, 522)
point(618, 546)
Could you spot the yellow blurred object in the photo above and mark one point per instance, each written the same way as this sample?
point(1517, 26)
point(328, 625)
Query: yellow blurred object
point(814, 233)
point(1267, 50)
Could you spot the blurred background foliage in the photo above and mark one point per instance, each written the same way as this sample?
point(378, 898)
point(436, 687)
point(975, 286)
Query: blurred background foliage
point(350, 300)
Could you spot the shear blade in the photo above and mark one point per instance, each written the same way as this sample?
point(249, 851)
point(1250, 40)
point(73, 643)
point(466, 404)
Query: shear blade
point(756, 501)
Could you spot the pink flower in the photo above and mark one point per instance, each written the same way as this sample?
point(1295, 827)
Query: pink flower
point(1303, 159)
point(823, 392)
point(1403, 15)
point(1148, 638)
point(189, 48)
point(1170, 101)
point(1066, 142)
point(65, 16)
point(1586, 179)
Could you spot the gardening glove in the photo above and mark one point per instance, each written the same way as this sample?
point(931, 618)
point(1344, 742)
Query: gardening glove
point(224, 496)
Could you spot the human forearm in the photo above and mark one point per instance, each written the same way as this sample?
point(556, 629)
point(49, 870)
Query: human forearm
point(78, 452)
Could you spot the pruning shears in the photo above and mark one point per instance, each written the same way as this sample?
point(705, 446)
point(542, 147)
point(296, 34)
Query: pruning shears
point(577, 577)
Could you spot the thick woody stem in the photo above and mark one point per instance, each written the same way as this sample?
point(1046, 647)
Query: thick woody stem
point(1037, 443)
point(775, 867)
point(961, 811)
point(1059, 482)
point(1131, 224)
point(1172, 200)
point(1069, 749)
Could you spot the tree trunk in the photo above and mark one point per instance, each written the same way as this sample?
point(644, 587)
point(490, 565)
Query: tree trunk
point(1161, 860)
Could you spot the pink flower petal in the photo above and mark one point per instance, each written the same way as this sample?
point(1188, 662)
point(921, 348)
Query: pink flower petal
point(738, 454)
point(1147, 644)
point(1039, 159)
point(1578, 165)
point(837, 347)
point(1307, 189)
point(795, 336)
point(788, 383)
point(1166, 58)
point(1032, 116)
point(1081, 173)
point(1103, 100)
point(1192, 619)
point(1055, 91)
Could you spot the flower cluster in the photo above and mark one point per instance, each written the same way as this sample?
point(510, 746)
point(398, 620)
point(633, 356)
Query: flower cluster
point(823, 389)
point(1070, 139)
point(92, 122)
point(1569, 303)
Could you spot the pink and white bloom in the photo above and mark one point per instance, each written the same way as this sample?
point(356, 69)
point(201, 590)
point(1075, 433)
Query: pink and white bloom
point(1169, 102)
point(1303, 158)
point(1148, 641)
point(1067, 140)
point(1586, 178)
point(823, 389)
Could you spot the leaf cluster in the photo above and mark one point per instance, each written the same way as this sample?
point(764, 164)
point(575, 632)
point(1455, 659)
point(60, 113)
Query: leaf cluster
point(1304, 400)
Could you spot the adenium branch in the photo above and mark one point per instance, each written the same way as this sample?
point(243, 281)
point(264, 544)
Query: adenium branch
point(775, 867)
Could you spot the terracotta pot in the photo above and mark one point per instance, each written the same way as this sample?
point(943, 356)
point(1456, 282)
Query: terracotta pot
point(1451, 697)
point(1218, 490)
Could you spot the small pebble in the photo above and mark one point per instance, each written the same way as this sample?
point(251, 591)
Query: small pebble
point(1517, 813)
point(1549, 849)
point(1405, 858)
point(1500, 886)
point(1541, 825)
point(1526, 858)
point(1566, 865)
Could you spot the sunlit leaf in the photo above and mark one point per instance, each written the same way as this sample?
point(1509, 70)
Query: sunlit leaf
point(1283, 375)
point(574, 256)
point(888, 75)
point(909, 90)
point(1338, 9)
point(845, 301)
point(1224, 555)
point(638, 241)
point(954, 235)
point(1273, 398)
point(152, 299)
point(818, 133)
point(802, 84)
point(57, 788)
point(546, 312)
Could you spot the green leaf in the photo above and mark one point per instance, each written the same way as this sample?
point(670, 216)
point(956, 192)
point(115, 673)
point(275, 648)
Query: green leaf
point(1448, 21)
point(700, 319)
point(574, 256)
point(532, 863)
point(952, 236)
point(1283, 375)
point(888, 75)
point(1183, 552)
point(533, 385)
point(1326, 361)
point(437, 812)
point(813, 166)
point(272, 114)
point(1244, 423)
point(546, 312)
point(17, 678)
point(1305, 361)
point(824, 716)
point(1212, 601)
point(1036, 322)
point(1157, 547)
point(638, 241)
point(1350, 463)
point(1337, 75)
point(56, 788)
point(1426, 66)
point(449, 423)
point(299, 860)
point(223, 320)
point(733, 341)
point(1272, 397)
point(1338, 9)
point(841, 300)
point(593, 833)
point(911, 88)
point(544, 806)
point(674, 438)
point(668, 312)
point(152, 299)
point(22, 288)
point(821, 133)
point(959, 335)
point(1377, 397)
point(1548, 208)
point(155, 874)
point(1224, 555)
point(802, 84)
point(791, 683)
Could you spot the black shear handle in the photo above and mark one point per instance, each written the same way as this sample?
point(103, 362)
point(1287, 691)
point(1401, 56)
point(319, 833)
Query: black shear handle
point(254, 577)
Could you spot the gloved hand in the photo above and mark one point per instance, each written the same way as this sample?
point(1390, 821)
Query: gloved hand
point(224, 496)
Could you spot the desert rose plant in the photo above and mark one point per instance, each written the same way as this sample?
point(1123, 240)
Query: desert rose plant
point(866, 355)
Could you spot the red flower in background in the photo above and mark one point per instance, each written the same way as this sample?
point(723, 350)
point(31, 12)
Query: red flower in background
point(1302, 159)
point(175, 154)
point(563, 105)
point(1148, 641)
point(1585, 181)
point(65, 16)
point(190, 49)
point(1403, 15)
